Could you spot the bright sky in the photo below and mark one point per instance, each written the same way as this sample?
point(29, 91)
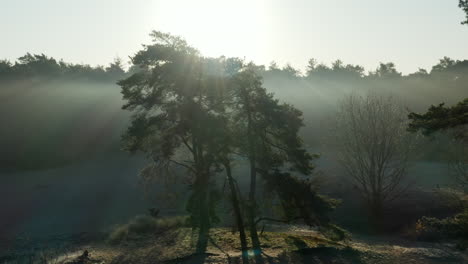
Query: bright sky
point(411, 33)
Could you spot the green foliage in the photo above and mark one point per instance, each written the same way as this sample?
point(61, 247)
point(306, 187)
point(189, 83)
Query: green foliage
point(386, 70)
point(116, 68)
point(441, 118)
point(193, 206)
point(456, 227)
point(269, 133)
point(144, 225)
point(338, 70)
point(463, 4)
point(178, 118)
point(271, 127)
point(444, 64)
point(335, 233)
point(274, 71)
point(299, 199)
point(452, 199)
point(42, 66)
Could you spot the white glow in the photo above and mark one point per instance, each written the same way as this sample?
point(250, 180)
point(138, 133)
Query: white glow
point(231, 28)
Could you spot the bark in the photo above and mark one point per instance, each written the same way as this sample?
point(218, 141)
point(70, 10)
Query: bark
point(204, 212)
point(252, 210)
point(252, 193)
point(376, 214)
point(238, 214)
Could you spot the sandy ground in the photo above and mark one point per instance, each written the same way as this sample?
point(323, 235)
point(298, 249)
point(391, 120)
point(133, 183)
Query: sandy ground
point(292, 246)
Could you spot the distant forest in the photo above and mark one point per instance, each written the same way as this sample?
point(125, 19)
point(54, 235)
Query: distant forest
point(42, 66)
point(57, 112)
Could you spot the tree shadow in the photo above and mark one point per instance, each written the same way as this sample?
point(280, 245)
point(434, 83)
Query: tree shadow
point(321, 255)
point(296, 242)
point(269, 259)
point(230, 259)
point(196, 258)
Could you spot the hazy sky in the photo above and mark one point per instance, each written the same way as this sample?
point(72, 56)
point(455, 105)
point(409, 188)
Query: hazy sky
point(411, 33)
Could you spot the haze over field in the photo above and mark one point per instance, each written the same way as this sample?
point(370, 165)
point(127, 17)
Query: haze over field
point(247, 131)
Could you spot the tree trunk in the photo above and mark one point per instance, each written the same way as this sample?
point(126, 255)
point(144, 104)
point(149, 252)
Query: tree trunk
point(238, 214)
point(376, 215)
point(257, 250)
point(204, 213)
point(252, 211)
point(203, 230)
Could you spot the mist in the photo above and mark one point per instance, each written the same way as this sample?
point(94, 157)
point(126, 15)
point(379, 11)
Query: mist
point(56, 129)
point(181, 152)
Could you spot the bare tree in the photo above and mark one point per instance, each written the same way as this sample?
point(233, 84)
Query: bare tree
point(374, 148)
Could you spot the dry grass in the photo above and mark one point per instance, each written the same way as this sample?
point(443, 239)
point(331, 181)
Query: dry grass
point(177, 245)
point(144, 225)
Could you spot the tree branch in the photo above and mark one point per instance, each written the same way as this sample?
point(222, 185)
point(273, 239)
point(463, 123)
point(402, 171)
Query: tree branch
point(183, 165)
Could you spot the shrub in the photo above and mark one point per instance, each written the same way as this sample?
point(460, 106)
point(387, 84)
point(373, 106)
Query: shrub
point(452, 198)
point(142, 225)
point(336, 233)
point(456, 227)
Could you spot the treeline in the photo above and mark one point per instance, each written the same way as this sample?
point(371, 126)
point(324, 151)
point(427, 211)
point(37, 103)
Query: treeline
point(42, 66)
point(339, 70)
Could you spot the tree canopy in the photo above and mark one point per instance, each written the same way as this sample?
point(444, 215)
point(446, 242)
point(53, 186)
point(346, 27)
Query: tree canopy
point(440, 117)
point(196, 114)
point(42, 66)
point(463, 4)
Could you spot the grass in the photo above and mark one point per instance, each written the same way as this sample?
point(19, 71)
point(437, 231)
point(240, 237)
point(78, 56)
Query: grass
point(144, 225)
point(168, 240)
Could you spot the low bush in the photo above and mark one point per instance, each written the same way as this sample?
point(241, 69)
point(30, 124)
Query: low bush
point(456, 227)
point(142, 225)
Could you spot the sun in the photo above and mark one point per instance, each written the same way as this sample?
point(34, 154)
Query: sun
point(230, 28)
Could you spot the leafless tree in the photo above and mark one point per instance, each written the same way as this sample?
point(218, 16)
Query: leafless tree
point(374, 147)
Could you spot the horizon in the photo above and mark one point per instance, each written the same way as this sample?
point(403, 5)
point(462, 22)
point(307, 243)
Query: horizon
point(407, 35)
